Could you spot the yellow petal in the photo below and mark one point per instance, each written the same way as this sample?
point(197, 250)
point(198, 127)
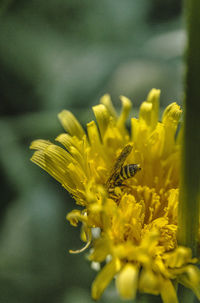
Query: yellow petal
point(154, 98)
point(76, 216)
point(106, 100)
point(126, 107)
point(103, 117)
point(155, 142)
point(66, 140)
point(126, 281)
point(149, 282)
point(77, 173)
point(177, 258)
point(191, 279)
point(145, 112)
point(134, 129)
point(149, 109)
point(104, 278)
point(71, 124)
point(94, 138)
point(44, 162)
point(40, 144)
point(170, 121)
point(101, 250)
point(171, 114)
point(168, 292)
point(60, 165)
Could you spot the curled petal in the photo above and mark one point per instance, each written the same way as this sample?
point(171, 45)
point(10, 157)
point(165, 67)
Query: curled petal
point(88, 234)
point(76, 216)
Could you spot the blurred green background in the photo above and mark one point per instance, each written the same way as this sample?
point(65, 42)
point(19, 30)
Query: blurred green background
point(60, 54)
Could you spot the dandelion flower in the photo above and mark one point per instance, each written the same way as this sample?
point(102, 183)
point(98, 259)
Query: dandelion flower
point(136, 216)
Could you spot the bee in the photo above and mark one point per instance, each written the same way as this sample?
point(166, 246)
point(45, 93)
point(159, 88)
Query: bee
point(120, 172)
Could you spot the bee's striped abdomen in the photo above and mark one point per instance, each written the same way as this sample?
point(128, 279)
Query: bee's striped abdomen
point(126, 172)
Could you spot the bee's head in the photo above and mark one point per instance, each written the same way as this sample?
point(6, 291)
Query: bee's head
point(134, 168)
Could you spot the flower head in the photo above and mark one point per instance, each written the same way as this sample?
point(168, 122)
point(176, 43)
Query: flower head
point(134, 212)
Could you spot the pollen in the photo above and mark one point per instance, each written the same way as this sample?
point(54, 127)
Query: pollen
point(136, 218)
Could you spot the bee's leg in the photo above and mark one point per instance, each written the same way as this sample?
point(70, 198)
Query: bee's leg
point(115, 193)
point(125, 186)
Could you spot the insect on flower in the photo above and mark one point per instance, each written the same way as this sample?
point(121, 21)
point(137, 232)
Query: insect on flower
point(137, 218)
point(120, 172)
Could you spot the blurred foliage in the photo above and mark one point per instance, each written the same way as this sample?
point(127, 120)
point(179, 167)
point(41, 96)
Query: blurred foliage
point(164, 10)
point(66, 54)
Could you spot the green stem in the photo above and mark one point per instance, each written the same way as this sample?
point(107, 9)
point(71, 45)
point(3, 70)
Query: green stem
point(188, 220)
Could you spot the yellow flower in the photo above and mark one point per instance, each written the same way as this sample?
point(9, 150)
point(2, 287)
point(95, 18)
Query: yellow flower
point(133, 225)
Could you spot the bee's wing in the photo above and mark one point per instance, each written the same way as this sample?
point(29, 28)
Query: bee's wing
point(119, 162)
